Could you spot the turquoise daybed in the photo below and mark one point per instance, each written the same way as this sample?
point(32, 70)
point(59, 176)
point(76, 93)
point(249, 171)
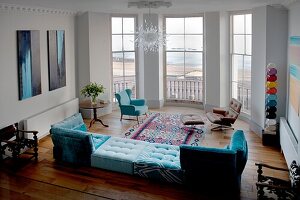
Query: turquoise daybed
point(176, 164)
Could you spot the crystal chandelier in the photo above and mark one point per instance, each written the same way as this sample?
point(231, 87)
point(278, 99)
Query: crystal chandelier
point(149, 36)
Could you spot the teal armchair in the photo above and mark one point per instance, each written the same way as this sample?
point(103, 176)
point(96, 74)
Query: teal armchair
point(131, 107)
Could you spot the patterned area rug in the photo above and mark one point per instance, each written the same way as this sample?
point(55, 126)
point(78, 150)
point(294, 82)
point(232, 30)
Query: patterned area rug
point(166, 129)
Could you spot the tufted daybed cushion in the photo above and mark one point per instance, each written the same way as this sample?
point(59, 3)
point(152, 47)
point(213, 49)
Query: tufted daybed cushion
point(118, 154)
point(159, 162)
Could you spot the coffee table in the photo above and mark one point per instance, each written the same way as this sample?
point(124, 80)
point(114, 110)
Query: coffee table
point(89, 105)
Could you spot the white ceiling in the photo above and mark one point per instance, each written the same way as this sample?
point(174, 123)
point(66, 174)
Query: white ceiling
point(121, 6)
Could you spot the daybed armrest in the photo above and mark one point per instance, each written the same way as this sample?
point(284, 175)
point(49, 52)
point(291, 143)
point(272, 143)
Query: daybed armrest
point(219, 111)
point(209, 167)
point(138, 102)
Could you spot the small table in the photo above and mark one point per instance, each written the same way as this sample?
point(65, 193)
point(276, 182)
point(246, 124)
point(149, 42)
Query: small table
point(94, 107)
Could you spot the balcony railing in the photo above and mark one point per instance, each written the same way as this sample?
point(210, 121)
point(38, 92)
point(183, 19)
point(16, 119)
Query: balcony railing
point(244, 96)
point(120, 85)
point(189, 89)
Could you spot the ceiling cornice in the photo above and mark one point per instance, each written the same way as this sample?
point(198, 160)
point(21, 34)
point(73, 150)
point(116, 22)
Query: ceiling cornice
point(32, 9)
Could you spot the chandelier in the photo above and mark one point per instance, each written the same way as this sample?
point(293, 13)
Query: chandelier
point(149, 36)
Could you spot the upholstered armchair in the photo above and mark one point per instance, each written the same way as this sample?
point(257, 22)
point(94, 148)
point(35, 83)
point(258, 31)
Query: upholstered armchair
point(131, 107)
point(224, 118)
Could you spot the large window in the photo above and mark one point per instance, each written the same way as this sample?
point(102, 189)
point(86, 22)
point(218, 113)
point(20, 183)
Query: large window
point(184, 58)
point(241, 51)
point(123, 54)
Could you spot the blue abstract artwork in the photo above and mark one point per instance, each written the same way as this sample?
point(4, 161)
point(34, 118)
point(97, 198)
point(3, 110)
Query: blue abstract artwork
point(29, 67)
point(56, 59)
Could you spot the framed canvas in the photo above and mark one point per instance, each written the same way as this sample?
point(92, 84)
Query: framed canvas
point(56, 59)
point(29, 63)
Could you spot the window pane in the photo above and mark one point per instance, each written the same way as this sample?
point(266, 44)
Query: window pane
point(194, 42)
point(117, 64)
point(239, 44)
point(237, 68)
point(248, 44)
point(175, 64)
point(174, 25)
point(128, 42)
point(247, 72)
point(175, 43)
point(193, 65)
point(249, 24)
point(238, 24)
point(116, 25)
point(194, 25)
point(116, 43)
point(128, 25)
point(129, 65)
point(235, 90)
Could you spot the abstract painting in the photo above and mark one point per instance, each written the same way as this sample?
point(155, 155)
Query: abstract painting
point(294, 64)
point(56, 59)
point(29, 63)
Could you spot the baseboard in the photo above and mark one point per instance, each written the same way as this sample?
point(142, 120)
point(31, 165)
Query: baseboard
point(155, 103)
point(256, 128)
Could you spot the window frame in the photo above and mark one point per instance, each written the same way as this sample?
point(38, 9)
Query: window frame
point(184, 51)
point(231, 53)
point(135, 52)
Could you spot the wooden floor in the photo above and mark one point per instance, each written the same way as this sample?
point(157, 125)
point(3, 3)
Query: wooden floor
point(47, 179)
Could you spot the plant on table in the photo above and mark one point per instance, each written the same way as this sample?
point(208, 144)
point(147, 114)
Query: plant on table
point(92, 90)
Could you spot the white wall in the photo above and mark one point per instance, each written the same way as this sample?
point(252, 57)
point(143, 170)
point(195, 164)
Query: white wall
point(269, 45)
point(153, 79)
point(11, 109)
point(259, 21)
point(94, 58)
point(224, 59)
point(212, 59)
point(294, 30)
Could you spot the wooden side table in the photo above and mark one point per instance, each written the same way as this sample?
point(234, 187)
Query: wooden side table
point(88, 105)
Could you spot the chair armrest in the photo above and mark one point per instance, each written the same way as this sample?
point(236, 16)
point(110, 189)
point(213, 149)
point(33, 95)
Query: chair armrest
point(270, 167)
point(34, 132)
point(219, 111)
point(138, 102)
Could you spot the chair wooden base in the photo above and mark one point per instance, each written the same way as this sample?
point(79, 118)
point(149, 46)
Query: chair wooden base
point(219, 127)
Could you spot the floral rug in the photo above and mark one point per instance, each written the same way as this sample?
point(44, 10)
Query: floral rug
point(166, 129)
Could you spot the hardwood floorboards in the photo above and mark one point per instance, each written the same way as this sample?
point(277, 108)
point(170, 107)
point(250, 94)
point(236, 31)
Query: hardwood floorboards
point(47, 179)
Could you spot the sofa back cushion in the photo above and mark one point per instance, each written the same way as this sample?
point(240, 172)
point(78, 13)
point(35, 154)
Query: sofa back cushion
point(73, 146)
point(238, 143)
point(74, 122)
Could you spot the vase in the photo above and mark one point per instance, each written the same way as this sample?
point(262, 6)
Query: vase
point(94, 100)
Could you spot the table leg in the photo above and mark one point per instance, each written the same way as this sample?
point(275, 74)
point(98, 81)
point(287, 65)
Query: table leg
point(96, 119)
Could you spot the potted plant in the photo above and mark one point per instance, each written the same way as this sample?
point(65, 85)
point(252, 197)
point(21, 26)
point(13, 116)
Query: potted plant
point(92, 90)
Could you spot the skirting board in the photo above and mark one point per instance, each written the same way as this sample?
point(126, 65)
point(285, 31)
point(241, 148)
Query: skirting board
point(155, 103)
point(288, 143)
point(43, 121)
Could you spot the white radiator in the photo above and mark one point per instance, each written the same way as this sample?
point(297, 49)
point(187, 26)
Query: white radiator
point(288, 142)
point(41, 122)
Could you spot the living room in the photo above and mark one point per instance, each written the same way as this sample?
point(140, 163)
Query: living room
point(90, 57)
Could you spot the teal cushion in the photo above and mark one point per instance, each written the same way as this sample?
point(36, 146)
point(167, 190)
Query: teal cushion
point(123, 98)
point(73, 122)
point(238, 143)
point(97, 140)
point(81, 127)
point(159, 162)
